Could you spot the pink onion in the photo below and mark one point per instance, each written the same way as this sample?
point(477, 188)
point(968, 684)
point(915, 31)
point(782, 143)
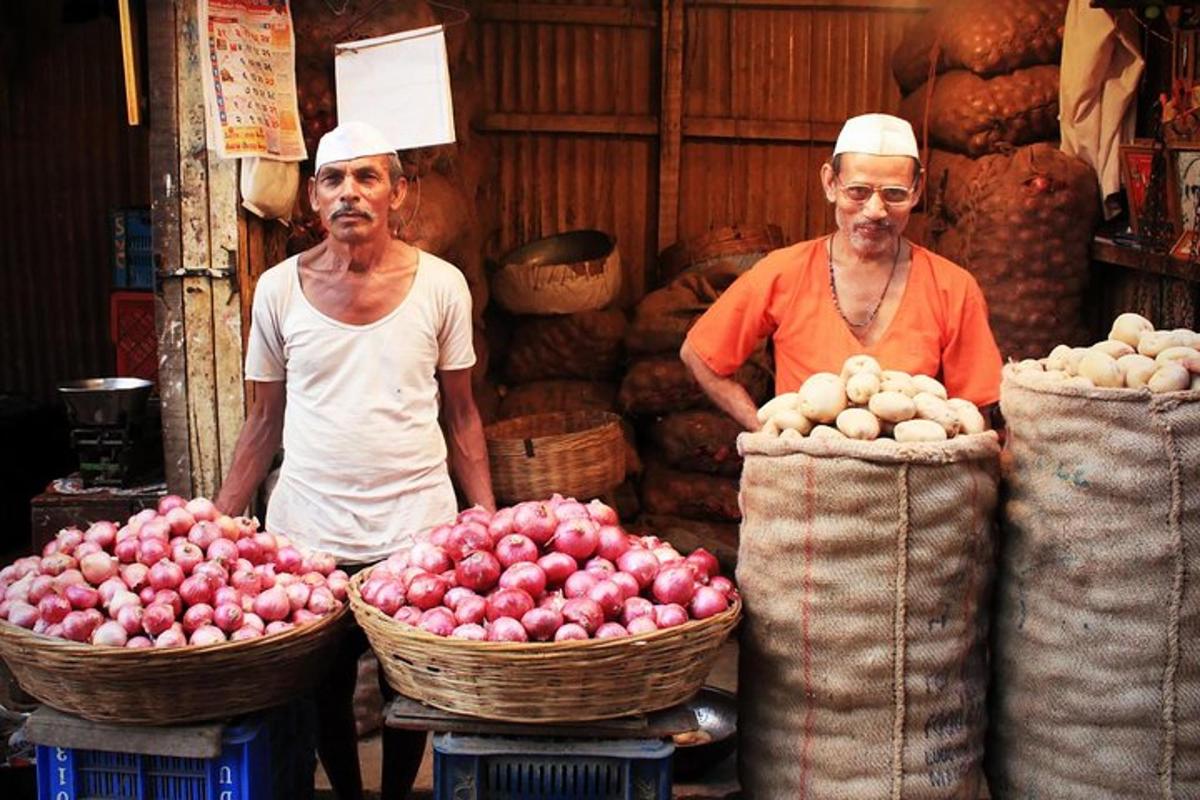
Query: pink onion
point(515, 548)
point(127, 550)
point(84, 550)
point(635, 607)
point(169, 501)
point(202, 509)
point(705, 562)
point(53, 608)
point(288, 559)
point(217, 575)
point(297, 594)
point(302, 616)
point(558, 567)
point(156, 529)
point(150, 552)
point(69, 577)
point(674, 585)
point(50, 548)
point(121, 600)
point(471, 610)
point(570, 509)
point(110, 634)
point(723, 585)
point(110, 587)
point(470, 632)
point(248, 526)
point(247, 581)
point(553, 601)
point(707, 602)
point(321, 601)
point(202, 534)
point(541, 623)
point(131, 618)
point(609, 596)
point(323, 563)
point(197, 616)
point(101, 533)
point(508, 603)
point(139, 643)
point(135, 576)
point(207, 634)
point(227, 526)
point(166, 574)
point(98, 567)
point(479, 571)
point(252, 620)
point(224, 552)
point(172, 637)
point(227, 594)
point(477, 514)
point(337, 583)
point(577, 538)
point(170, 597)
point(59, 563)
point(426, 591)
point(409, 615)
point(571, 632)
point(439, 535)
point(585, 612)
point(249, 549)
point(503, 523)
point(535, 520)
point(524, 575)
point(578, 584)
point(68, 539)
point(628, 583)
point(82, 597)
point(507, 629)
point(389, 597)
point(179, 520)
point(670, 615)
point(602, 513)
point(641, 564)
point(439, 621)
point(77, 625)
point(39, 587)
point(273, 605)
point(430, 558)
point(600, 567)
point(244, 633)
point(146, 594)
point(278, 626)
point(611, 630)
point(455, 594)
point(157, 618)
point(24, 615)
point(612, 542)
point(640, 625)
point(466, 538)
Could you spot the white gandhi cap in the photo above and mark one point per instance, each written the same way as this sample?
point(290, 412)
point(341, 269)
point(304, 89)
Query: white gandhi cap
point(877, 135)
point(351, 140)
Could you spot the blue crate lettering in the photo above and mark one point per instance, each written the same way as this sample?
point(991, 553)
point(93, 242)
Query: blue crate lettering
point(267, 756)
point(514, 768)
point(133, 249)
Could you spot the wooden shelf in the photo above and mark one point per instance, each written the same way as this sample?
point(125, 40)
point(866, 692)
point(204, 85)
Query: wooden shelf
point(1110, 252)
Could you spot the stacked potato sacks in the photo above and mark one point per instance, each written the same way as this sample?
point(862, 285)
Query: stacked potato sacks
point(980, 77)
point(445, 211)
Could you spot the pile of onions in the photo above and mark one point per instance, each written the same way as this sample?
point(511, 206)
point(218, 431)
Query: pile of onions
point(181, 574)
point(545, 571)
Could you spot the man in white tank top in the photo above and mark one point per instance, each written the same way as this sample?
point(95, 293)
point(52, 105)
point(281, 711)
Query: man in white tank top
point(356, 348)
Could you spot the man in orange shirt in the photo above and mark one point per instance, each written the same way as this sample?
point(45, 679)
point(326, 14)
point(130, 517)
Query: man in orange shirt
point(863, 289)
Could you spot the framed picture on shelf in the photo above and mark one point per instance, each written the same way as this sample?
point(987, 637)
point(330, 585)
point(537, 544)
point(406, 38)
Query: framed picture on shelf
point(1183, 187)
point(1136, 160)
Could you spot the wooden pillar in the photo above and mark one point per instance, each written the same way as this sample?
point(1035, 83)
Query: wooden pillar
point(195, 216)
point(670, 122)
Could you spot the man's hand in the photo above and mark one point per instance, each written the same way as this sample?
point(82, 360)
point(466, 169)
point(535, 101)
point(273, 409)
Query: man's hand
point(729, 395)
point(257, 445)
point(467, 445)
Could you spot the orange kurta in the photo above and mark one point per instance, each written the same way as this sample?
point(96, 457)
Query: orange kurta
point(940, 329)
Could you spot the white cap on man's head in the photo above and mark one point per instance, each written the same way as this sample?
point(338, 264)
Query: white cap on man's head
point(877, 135)
point(351, 140)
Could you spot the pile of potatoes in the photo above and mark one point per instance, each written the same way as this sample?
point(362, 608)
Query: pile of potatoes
point(866, 402)
point(1134, 356)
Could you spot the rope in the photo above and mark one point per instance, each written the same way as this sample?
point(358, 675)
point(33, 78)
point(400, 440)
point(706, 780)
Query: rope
point(899, 626)
point(1166, 767)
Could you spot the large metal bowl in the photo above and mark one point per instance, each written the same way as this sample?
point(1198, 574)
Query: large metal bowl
point(561, 274)
point(571, 247)
point(698, 751)
point(105, 401)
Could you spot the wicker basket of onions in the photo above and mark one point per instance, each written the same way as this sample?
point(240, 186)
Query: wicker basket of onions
point(545, 612)
point(180, 615)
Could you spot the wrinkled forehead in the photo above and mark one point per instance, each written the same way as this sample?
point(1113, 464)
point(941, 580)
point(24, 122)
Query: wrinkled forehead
point(877, 170)
point(378, 163)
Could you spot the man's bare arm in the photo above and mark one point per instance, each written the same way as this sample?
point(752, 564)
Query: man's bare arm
point(729, 395)
point(465, 439)
point(256, 447)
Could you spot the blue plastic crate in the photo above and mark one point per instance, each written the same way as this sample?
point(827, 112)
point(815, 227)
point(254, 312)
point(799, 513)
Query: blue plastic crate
point(265, 756)
point(133, 248)
point(507, 768)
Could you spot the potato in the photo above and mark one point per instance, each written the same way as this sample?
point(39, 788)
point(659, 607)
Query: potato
point(769, 408)
point(861, 387)
point(895, 381)
point(933, 408)
point(1101, 369)
point(892, 406)
point(823, 397)
point(1129, 327)
point(1079, 382)
point(826, 432)
point(1057, 360)
point(858, 364)
point(791, 435)
point(1028, 365)
point(1195, 383)
point(1154, 342)
point(1192, 365)
point(970, 418)
point(858, 423)
point(1180, 353)
point(1048, 378)
point(1188, 333)
point(1073, 358)
point(1136, 369)
point(932, 386)
point(919, 430)
point(791, 419)
point(1172, 377)
point(1113, 347)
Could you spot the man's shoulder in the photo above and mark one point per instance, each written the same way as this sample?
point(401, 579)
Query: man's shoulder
point(440, 270)
point(786, 258)
point(946, 273)
point(274, 279)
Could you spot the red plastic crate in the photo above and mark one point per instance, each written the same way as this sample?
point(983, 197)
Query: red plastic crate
point(131, 320)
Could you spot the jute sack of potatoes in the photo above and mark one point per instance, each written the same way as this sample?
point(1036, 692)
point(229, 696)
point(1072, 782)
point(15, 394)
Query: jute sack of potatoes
point(1096, 672)
point(865, 569)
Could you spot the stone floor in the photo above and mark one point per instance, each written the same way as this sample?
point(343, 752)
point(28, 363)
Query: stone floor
point(718, 783)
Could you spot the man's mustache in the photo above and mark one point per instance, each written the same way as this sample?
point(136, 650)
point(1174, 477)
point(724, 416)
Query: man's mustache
point(344, 211)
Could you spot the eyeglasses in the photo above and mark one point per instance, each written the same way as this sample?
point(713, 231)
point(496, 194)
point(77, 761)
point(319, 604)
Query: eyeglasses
point(861, 193)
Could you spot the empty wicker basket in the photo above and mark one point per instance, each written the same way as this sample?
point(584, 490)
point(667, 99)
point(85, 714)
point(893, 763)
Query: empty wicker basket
point(576, 453)
point(545, 682)
point(561, 274)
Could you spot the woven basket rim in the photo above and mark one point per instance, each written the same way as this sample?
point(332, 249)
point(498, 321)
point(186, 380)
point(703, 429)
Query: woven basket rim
point(603, 418)
point(10, 633)
point(539, 649)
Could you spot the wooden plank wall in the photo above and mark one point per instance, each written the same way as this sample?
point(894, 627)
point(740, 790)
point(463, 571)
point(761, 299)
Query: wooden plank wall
point(197, 245)
point(661, 119)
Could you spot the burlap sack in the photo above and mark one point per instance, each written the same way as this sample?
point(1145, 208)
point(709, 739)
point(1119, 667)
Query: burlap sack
point(1096, 644)
point(698, 441)
point(585, 345)
point(692, 495)
point(662, 319)
point(541, 397)
point(974, 115)
point(985, 36)
point(660, 385)
point(865, 569)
